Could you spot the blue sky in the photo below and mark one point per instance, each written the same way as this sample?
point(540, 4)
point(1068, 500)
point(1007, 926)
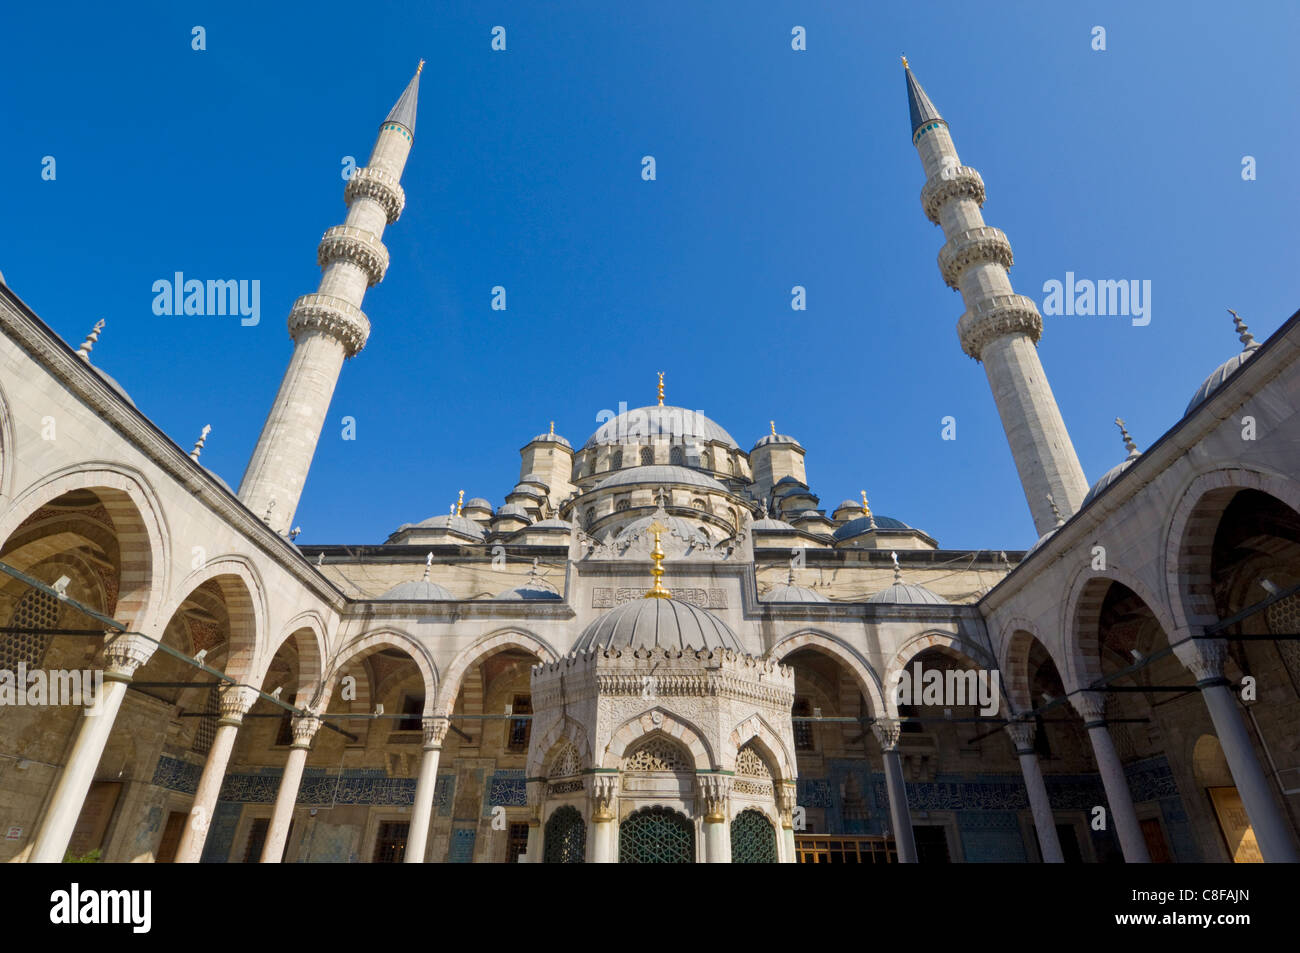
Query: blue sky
point(775, 168)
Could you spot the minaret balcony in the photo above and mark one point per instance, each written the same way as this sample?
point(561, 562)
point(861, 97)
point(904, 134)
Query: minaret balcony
point(331, 315)
point(378, 185)
point(972, 247)
point(355, 245)
point(951, 182)
point(996, 316)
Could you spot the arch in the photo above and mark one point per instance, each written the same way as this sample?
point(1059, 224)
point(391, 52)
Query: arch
point(656, 720)
point(142, 537)
point(359, 647)
point(565, 837)
point(1190, 539)
point(306, 632)
point(1081, 620)
point(1015, 665)
point(843, 653)
point(566, 729)
point(244, 596)
point(756, 729)
point(948, 643)
point(753, 838)
point(481, 649)
point(8, 452)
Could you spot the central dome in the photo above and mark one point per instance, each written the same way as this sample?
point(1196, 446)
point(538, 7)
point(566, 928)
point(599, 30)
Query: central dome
point(658, 623)
point(661, 473)
point(659, 421)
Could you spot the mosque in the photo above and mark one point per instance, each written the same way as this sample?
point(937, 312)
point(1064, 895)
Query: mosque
point(660, 647)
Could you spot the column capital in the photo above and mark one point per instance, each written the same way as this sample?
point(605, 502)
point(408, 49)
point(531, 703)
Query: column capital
point(435, 731)
point(887, 732)
point(1204, 658)
point(304, 729)
point(786, 797)
point(714, 790)
point(602, 789)
point(1091, 706)
point(126, 653)
point(233, 702)
point(1022, 735)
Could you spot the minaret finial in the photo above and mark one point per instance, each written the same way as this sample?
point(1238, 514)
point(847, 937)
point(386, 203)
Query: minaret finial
point(419, 68)
point(866, 507)
point(661, 388)
point(552, 428)
point(198, 447)
point(83, 352)
point(905, 66)
point(1248, 342)
point(898, 570)
point(460, 501)
point(1129, 445)
point(773, 423)
point(1056, 510)
point(657, 591)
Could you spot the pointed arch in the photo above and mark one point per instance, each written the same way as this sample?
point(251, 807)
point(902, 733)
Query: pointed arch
point(866, 678)
point(773, 748)
point(566, 729)
point(657, 721)
point(306, 631)
point(244, 596)
point(482, 648)
point(1081, 620)
point(357, 648)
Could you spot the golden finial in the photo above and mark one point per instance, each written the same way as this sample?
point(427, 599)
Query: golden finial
point(419, 68)
point(773, 423)
point(661, 388)
point(657, 570)
point(460, 500)
point(552, 428)
point(905, 66)
point(866, 510)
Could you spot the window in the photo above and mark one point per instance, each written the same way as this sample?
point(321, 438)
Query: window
point(677, 456)
point(698, 504)
point(647, 456)
point(622, 503)
point(412, 708)
point(390, 845)
point(517, 844)
point(520, 728)
point(803, 730)
point(845, 850)
point(706, 460)
point(36, 612)
point(616, 460)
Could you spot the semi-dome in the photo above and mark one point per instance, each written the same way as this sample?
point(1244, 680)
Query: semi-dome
point(1229, 367)
point(857, 527)
point(656, 421)
point(454, 524)
point(419, 589)
point(905, 593)
point(661, 473)
point(684, 529)
point(658, 623)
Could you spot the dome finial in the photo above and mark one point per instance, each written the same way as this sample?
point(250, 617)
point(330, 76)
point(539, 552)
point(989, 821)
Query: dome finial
point(198, 447)
point(83, 352)
point(866, 510)
point(428, 561)
point(460, 501)
point(1248, 342)
point(419, 68)
point(773, 423)
point(905, 66)
point(657, 570)
point(1129, 445)
point(661, 388)
point(552, 428)
point(898, 570)
point(1056, 510)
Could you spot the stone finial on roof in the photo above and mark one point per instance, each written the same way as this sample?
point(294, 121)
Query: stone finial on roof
point(198, 447)
point(83, 352)
point(1129, 445)
point(1056, 510)
point(898, 570)
point(1248, 342)
point(428, 561)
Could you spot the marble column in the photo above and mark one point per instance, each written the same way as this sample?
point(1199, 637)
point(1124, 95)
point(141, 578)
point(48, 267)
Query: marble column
point(785, 803)
point(888, 731)
point(604, 822)
point(1205, 658)
point(1091, 706)
point(714, 791)
point(304, 730)
point(417, 838)
point(1049, 844)
point(234, 703)
point(122, 656)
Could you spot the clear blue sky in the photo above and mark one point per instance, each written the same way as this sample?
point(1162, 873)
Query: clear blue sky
point(775, 168)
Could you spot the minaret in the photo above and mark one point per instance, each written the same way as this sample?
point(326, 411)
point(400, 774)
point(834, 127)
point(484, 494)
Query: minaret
point(1000, 328)
point(329, 326)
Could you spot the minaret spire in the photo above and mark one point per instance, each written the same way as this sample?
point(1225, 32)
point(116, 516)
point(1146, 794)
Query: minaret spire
point(329, 326)
point(999, 328)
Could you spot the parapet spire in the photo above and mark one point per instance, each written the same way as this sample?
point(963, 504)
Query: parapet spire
point(1129, 445)
point(898, 570)
point(918, 103)
point(1248, 342)
point(198, 447)
point(83, 352)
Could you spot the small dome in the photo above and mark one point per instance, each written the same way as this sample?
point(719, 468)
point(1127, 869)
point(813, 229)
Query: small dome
point(533, 478)
point(849, 505)
point(552, 522)
point(794, 594)
point(772, 526)
point(515, 510)
point(530, 593)
point(658, 623)
point(419, 590)
point(860, 525)
point(904, 593)
point(552, 438)
point(217, 478)
point(790, 481)
point(454, 524)
point(478, 503)
point(1109, 477)
point(1041, 540)
point(688, 426)
point(112, 382)
point(1218, 377)
point(776, 438)
point(661, 474)
point(675, 524)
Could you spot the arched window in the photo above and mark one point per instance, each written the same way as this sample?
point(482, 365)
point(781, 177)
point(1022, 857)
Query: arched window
point(616, 460)
point(731, 465)
point(677, 456)
point(647, 456)
point(706, 460)
point(753, 839)
point(590, 519)
point(656, 835)
point(699, 504)
point(803, 730)
point(622, 503)
point(566, 837)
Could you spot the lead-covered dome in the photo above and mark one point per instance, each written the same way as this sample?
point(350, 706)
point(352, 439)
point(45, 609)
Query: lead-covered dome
point(661, 473)
point(418, 590)
point(1229, 367)
point(658, 623)
point(905, 593)
point(659, 421)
